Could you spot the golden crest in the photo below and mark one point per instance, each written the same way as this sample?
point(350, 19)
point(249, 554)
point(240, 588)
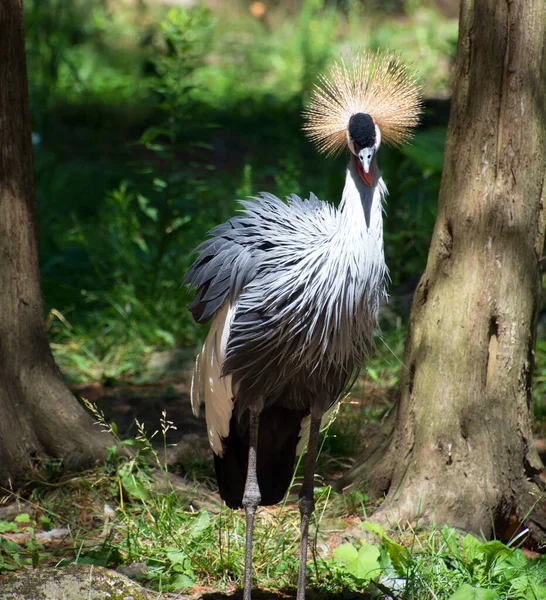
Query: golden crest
point(378, 84)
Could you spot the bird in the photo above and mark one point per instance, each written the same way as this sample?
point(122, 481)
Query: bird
point(293, 290)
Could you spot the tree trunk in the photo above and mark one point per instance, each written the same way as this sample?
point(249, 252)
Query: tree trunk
point(458, 449)
point(39, 418)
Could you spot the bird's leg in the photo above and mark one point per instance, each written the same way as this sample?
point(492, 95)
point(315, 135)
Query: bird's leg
point(251, 497)
point(307, 500)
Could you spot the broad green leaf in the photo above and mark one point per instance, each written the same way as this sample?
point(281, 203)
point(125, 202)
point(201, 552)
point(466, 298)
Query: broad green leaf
point(367, 566)
point(140, 242)
point(467, 592)
point(538, 592)
point(156, 147)
point(493, 550)
point(362, 564)
point(450, 538)
point(177, 557)
point(132, 485)
point(22, 518)
point(517, 559)
point(7, 545)
point(180, 581)
point(471, 547)
point(46, 523)
point(520, 584)
point(145, 207)
point(7, 526)
point(178, 222)
point(167, 336)
point(379, 530)
point(185, 569)
point(399, 555)
point(98, 559)
point(385, 563)
point(373, 374)
point(152, 133)
point(202, 523)
point(347, 554)
point(160, 183)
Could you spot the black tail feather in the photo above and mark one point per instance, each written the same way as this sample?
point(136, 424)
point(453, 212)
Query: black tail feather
point(277, 440)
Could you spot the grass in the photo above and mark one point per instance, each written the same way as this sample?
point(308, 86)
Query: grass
point(116, 516)
point(174, 535)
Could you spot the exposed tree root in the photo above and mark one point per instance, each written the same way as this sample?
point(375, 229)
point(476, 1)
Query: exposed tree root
point(49, 424)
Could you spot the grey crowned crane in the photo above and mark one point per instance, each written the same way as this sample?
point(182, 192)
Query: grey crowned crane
point(293, 290)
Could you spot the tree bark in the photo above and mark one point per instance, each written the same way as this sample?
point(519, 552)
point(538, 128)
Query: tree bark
point(459, 447)
point(39, 417)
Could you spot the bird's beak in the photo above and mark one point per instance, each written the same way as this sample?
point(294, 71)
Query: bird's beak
point(365, 157)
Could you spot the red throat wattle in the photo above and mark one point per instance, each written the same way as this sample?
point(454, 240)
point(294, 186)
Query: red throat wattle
point(367, 178)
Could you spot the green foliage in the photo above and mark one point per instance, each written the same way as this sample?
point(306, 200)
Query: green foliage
point(151, 123)
point(446, 565)
point(214, 103)
point(413, 178)
point(428, 43)
point(317, 25)
point(126, 263)
point(26, 551)
point(147, 524)
point(253, 62)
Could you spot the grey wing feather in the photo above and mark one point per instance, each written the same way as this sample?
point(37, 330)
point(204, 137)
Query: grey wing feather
point(227, 262)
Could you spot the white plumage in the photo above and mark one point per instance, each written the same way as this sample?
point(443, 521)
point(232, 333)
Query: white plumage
point(208, 386)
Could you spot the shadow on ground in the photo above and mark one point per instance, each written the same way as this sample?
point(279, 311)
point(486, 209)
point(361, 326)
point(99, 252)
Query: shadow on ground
point(284, 594)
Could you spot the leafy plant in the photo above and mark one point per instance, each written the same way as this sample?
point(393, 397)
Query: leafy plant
point(135, 250)
point(28, 551)
point(448, 565)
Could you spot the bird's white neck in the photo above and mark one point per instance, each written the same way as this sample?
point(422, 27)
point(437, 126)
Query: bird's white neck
point(361, 204)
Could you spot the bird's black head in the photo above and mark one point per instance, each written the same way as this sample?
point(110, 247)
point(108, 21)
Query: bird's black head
point(362, 130)
point(363, 139)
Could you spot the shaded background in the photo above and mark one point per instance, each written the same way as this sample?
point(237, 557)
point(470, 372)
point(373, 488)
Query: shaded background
point(150, 119)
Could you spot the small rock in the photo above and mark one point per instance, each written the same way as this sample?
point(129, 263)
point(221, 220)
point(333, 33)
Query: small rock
point(11, 510)
point(45, 537)
point(73, 582)
point(133, 570)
